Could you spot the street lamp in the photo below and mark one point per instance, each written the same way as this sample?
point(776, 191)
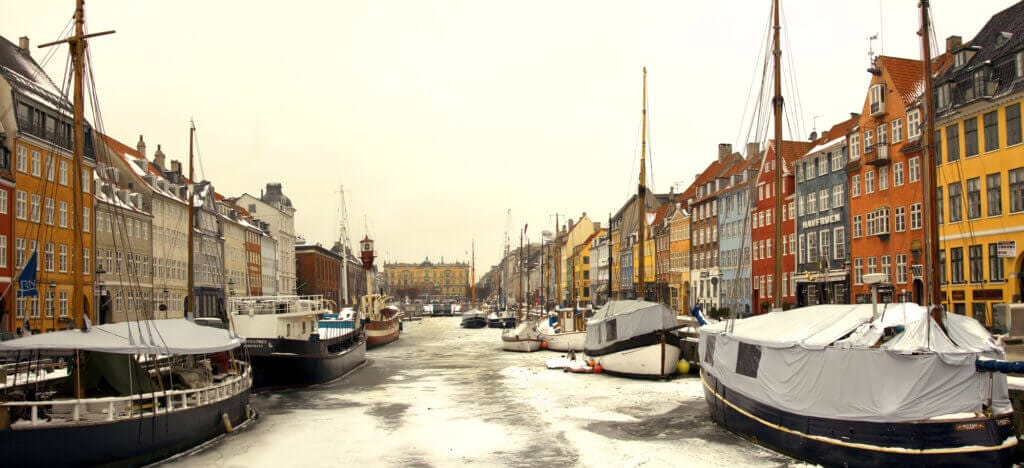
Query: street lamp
point(100, 292)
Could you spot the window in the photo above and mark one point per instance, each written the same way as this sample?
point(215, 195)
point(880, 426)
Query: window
point(973, 198)
point(854, 147)
point(49, 256)
point(812, 248)
point(85, 219)
point(85, 262)
point(991, 121)
point(62, 214)
point(897, 130)
point(887, 268)
point(938, 205)
point(50, 169)
point(883, 134)
point(800, 252)
point(34, 213)
point(858, 271)
point(952, 142)
point(855, 186)
point(857, 226)
point(62, 175)
point(869, 140)
point(62, 258)
point(942, 267)
point(823, 200)
point(915, 216)
point(49, 303)
point(839, 244)
point(63, 308)
point(36, 163)
point(883, 178)
point(837, 196)
point(812, 203)
point(1013, 133)
point(974, 253)
point(19, 252)
point(914, 169)
point(837, 160)
point(1017, 190)
point(21, 204)
point(995, 264)
point(970, 136)
point(3, 202)
point(869, 182)
point(901, 268)
point(22, 159)
point(914, 124)
point(901, 219)
point(956, 264)
point(872, 265)
point(937, 141)
point(86, 180)
point(878, 222)
point(49, 211)
point(822, 164)
point(897, 174)
point(824, 237)
point(955, 207)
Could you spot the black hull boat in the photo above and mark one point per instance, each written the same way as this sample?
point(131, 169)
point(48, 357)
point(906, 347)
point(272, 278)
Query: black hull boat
point(984, 441)
point(292, 363)
point(499, 320)
point(474, 319)
point(838, 385)
point(131, 442)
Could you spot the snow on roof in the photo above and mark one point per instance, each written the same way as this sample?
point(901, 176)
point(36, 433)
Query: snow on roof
point(827, 145)
point(139, 166)
point(112, 200)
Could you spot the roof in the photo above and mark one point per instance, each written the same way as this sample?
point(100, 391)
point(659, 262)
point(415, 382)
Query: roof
point(27, 77)
point(170, 336)
point(139, 165)
point(710, 173)
point(906, 74)
point(791, 151)
point(835, 134)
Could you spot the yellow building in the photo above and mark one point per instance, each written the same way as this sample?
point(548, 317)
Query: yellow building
point(679, 253)
point(427, 280)
point(981, 173)
point(581, 267)
point(576, 234)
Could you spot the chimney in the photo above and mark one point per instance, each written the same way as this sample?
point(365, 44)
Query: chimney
point(753, 149)
point(952, 43)
point(24, 45)
point(159, 158)
point(273, 188)
point(175, 165)
point(570, 224)
point(824, 135)
point(141, 147)
point(724, 150)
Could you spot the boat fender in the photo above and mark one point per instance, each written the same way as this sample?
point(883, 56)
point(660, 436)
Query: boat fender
point(224, 418)
point(699, 315)
point(683, 367)
point(995, 365)
point(543, 345)
point(598, 369)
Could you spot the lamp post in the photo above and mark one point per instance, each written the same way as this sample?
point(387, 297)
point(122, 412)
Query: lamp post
point(100, 292)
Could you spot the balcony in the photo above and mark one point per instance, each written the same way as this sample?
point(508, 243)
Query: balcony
point(877, 155)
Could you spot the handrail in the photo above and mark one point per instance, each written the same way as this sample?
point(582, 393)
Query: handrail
point(174, 400)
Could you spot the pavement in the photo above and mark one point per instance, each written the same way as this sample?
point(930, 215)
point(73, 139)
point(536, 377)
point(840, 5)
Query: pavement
point(447, 396)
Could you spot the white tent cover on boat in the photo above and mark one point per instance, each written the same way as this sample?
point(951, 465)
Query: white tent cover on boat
point(826, 361)
point(170, 336)
point(621, 320)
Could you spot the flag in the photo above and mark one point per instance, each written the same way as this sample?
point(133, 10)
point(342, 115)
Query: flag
point(27, 279)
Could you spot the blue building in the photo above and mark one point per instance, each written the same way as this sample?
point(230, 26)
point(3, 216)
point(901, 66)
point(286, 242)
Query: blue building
point(823, 246)
point(734, 208)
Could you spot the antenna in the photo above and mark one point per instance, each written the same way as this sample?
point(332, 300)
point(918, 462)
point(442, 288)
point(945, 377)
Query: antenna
point(814, 123)
point(871, 49)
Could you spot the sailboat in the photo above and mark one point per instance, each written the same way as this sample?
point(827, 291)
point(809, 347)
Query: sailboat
point(474, 317)
point(635, 337)
point(524, 338)
point(852, 385)
point(383, 319)
point(128, 393)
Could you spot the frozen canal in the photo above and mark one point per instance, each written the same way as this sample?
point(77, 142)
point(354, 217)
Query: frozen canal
point(445, 396)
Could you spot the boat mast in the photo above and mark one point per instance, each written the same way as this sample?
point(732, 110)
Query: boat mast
point(557, 257)
point(641, 215)
point(609, 291)
point(933, 294)
point(472, 277)
point(778, 162)
point(521, 266)
point(191, 280)
point(343, 238)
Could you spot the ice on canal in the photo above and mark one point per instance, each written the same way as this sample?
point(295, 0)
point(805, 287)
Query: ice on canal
point(445, 396)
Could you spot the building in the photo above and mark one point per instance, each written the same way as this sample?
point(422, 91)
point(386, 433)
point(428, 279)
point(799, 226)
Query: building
point(7, 188)
point(234, 230)
point(660, 233)
point(318, 271)
point(703, 202)
point(438, 280)
point(981, 167)
point(38, 130)
point(268, 260)
point(575, 235)
point(253, 254)
point(885, 188)
point(679, 256)
point(123, 253)
point(599, 271)
point(762, 250)
point(625, 247)
point(734, 213)
point(582, 261)
point(822, 265)
point(210, 281)
point(275, 209)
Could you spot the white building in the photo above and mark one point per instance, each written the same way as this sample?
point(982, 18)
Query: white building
point(275, 209)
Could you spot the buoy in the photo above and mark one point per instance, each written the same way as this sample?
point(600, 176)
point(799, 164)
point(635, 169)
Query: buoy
point(591, 363)
point(683, 367)
point(224, 418)
point(598, 369)
point(543, 345)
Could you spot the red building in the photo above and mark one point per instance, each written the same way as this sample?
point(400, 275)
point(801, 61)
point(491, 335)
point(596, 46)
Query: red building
point(7, 321)
point(763, 248)
point(318, 272)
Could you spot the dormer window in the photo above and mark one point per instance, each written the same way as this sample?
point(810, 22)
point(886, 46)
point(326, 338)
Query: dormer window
point(959, 59)
point(1020, 64)
point(1003, 38)
point(877, 99)
point(942, 96)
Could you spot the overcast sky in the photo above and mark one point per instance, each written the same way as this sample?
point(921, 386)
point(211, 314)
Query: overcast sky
point(439, 116)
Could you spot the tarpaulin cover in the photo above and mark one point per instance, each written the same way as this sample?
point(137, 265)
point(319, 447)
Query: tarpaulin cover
point(826, 361)
point(170, 336)
point(621, 320)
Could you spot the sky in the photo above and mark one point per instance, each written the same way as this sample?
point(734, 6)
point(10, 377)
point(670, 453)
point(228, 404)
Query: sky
point(448, 120)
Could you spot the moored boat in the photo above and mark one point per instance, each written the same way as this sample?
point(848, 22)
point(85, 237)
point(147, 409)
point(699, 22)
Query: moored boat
point(523, 338)
point(634, 338)
point(383, 325)
point(474, 319)
point(561, 334)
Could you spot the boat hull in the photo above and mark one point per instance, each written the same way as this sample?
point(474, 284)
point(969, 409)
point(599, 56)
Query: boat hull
point(649, 361)
point(131, 442)
point(382, 332)
point(280, 369)
point(474, 322)
point(520, 346)
point(564, 341)
point(835, 442)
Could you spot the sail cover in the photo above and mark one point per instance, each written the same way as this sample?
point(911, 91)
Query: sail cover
point(619, 321)
point(170, 336)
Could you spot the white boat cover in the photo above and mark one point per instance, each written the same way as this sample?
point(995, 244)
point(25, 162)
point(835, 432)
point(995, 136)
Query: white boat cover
point(621, 320)
point(169, 336)
point(826, 361)
point(524, 331)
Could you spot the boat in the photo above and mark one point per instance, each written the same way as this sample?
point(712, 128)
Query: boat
point(501, 319)
point(290, 343)
point(129, 393)
point(383, 320)
point(634, 338)
point(524, 338)
point(474, 318)
point(842, 385)
point(560, 334)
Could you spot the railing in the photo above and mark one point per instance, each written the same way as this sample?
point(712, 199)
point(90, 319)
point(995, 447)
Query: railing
point(877, 155)
point(85, 410)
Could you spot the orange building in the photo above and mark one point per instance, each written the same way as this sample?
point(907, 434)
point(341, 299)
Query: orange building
point(885, 188)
